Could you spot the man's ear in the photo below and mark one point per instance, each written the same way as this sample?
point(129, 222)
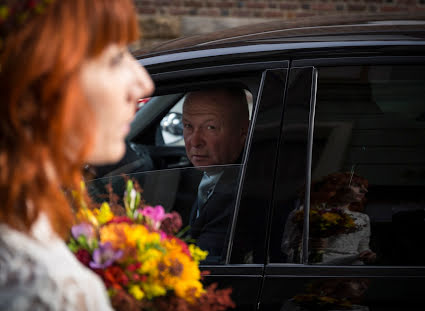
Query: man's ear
point(244, 132)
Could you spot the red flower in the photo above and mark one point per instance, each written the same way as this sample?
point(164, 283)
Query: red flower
point(120, 219)
point(83, 256)
point(121, 300)
point(138, 277)
point(99, 272)
point(172, 223)
point(115, 277)
point(31, 4)
point(134, 266)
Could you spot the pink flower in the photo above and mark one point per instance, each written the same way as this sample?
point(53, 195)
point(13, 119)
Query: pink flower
point(163, 235)
point(154, 215)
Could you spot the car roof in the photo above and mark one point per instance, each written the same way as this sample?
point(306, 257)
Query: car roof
point(302, 33)
point(312, 28)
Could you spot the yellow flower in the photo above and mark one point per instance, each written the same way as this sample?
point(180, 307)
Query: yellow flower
point(84, 214)
point(150, 260)
point(104, 214)
point(327, 299)
point(136, 292)
point(136, 235)
point(197, 253)
point(153, 290)
point(4, 11)
point(115, 234)
point(331, 217)
point(189, 290)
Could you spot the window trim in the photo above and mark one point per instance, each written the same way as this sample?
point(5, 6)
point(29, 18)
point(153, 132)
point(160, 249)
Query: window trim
point(366, 60)
point(217, 70)
point(243, 167)
point(312, 115)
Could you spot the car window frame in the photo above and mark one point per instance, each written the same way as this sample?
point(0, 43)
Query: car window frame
point(164, 79)
point(315, 64)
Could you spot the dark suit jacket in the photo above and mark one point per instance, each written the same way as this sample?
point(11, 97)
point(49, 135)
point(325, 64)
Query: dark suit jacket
point(211, 228)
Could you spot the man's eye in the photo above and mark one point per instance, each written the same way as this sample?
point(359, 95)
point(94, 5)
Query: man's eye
point(186, 125)
point(211, 127)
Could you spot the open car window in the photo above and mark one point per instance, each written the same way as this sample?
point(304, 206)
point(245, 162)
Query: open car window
point(176, 190)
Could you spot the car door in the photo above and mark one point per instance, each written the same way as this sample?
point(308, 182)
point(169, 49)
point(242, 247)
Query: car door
point(242, 265)
point(363, 117)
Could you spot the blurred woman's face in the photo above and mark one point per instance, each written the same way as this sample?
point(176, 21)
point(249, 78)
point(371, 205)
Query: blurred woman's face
point(358, 192)
point(112, 83)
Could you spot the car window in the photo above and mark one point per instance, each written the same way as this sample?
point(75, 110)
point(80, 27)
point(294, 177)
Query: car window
point(368, 167)
point(201, 185)
point(171, 126)
point(178, 192)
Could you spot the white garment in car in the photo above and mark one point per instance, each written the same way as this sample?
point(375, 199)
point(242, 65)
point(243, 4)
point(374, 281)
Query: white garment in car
point(343, 249)
point(38, 272)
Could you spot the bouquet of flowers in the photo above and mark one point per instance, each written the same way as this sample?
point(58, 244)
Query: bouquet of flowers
point(332, 294)
point(142, 262)
point(322, 302)
point(326, 221)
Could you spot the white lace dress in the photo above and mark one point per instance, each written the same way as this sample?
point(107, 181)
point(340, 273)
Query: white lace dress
point(38, 272)
point(343, 249)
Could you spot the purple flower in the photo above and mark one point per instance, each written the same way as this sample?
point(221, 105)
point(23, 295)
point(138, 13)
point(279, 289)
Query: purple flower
point(104, 256)
point(84, 229)
point(154, 214)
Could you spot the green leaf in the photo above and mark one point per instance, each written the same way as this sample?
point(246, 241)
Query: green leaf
point(138, 198)
point(182, 231)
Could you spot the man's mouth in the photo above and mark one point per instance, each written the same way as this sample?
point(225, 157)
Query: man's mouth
point(199, 157)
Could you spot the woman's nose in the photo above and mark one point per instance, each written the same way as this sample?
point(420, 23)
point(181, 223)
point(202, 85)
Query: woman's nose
point(143, 82)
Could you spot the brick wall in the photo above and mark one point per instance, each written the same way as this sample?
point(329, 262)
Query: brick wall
point(167, 19)
point(273, 8)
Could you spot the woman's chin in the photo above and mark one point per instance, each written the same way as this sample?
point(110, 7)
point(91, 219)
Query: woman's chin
point(104, 156)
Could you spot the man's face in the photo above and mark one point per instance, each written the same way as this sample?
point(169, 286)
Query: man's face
point(212, 135)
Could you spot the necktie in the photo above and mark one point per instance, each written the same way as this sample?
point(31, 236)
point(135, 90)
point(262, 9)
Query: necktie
point(205, 189)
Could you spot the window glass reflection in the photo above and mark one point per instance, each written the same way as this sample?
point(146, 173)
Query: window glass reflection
point(369, 163)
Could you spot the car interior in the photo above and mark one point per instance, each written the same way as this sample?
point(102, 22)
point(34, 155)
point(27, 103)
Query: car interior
point(155, 153)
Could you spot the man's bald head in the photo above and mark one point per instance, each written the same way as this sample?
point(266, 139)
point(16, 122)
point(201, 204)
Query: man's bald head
point(230, 100)
point(215, 125)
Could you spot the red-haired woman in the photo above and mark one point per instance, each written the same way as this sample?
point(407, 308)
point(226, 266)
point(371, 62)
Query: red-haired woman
point(68, 89)
point(343, 191)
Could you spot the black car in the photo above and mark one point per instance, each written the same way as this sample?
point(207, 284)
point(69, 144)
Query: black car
point(326, 96)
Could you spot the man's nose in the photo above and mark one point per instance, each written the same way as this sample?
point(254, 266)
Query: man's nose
point(197, 139)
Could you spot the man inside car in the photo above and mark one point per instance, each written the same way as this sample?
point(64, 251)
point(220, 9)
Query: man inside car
point(215, 129)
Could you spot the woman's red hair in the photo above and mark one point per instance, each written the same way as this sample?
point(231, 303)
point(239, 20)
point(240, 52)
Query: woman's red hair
point(334, 188)
point(46, 129)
